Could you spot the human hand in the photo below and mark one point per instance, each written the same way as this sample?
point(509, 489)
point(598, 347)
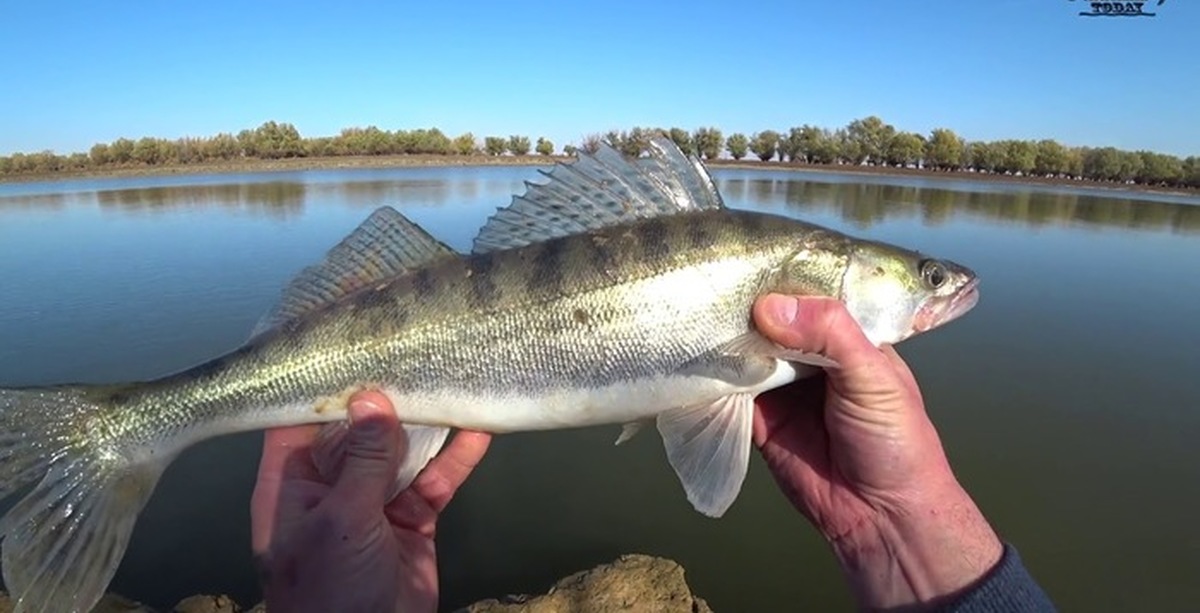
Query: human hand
point(339, 544)
point(856, 453)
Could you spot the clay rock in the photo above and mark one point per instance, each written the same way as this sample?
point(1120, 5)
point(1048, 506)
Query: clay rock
point(632, 582)
point(207, 604)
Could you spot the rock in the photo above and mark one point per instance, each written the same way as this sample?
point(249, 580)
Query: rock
point(632, 582)
point(207, 604)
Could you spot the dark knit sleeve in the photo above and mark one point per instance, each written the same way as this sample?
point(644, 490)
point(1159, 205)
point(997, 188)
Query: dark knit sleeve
point(1007, 588)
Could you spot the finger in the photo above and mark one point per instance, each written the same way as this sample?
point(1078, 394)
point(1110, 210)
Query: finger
point(450, 468)
point(374, 447)
point(284, 452)
point(816, 325)
point(779, 406)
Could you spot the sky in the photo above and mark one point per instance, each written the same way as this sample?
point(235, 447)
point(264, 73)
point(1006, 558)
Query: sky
point(77, 73)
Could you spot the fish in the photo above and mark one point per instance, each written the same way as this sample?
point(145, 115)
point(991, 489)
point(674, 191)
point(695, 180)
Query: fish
point(618, 291)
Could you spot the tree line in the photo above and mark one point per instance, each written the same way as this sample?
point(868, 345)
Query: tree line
point(868, 141)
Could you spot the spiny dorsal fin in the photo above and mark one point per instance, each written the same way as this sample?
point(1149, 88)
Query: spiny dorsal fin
point(385, 245)
point(600, 190)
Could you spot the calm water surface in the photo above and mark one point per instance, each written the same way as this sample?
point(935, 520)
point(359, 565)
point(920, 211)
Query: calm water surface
point(1069, 400)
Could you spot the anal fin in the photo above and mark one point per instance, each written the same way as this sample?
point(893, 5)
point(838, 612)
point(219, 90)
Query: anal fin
point(709, 448)
point(631, 429)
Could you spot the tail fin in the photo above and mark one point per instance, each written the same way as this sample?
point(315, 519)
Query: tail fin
point(63, 541)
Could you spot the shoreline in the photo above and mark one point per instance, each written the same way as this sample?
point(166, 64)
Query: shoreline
point(432, 161)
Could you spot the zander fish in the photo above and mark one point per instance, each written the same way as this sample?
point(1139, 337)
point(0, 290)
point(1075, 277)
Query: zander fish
point(617, 292)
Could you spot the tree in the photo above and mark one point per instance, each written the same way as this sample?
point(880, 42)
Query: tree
point(944, 150)
point(544, 147)
point(904, 149)
point(591, 143)
point(765, 144)
point(986, 157)
point(737, 144)
point(495, 145)
point(464, 144)
point(1050, 159)
point(518, 145)
point(1160, 169)
point(570, 150)
point(708, 142)
point(870, 137)
point(1103, 164)
point(1019, 156)
point(99, 154)
point(682, 139)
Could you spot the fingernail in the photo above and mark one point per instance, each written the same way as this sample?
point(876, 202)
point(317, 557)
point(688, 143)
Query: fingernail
point(782, 309)
point(365, 417)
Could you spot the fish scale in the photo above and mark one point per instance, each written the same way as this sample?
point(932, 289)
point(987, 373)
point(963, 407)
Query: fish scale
point(618, 292)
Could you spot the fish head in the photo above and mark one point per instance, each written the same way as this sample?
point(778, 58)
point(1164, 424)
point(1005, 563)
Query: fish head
point(895, 293)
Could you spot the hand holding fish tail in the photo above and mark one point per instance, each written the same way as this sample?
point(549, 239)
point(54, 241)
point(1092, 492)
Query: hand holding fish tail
point(327, 531)
point(858, 456)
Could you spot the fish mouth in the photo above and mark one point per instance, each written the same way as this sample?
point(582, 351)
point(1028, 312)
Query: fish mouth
point(943, 312)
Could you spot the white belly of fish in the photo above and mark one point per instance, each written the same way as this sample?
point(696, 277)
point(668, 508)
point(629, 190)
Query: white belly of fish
point(619, 403)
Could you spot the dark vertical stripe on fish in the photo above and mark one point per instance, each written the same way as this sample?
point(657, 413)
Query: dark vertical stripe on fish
point(422, 283)
point(483, 283)
point(548, 263)
point(653, 239)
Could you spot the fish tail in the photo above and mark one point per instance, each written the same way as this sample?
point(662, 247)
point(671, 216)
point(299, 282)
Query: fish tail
point(63, 540)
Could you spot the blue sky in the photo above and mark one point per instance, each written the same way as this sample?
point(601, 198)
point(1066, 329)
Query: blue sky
point(76, 73)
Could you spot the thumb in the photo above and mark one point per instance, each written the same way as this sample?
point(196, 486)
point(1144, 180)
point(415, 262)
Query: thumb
point(374, 447)
point(816, 325)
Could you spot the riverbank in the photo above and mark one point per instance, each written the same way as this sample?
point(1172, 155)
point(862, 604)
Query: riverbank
point(409, 161)
point(630, 583)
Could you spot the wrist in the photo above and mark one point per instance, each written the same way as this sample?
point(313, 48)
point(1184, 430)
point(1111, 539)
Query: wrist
point(918, 554)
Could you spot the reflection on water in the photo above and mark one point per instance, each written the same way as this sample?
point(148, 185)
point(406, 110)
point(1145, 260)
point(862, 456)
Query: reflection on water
point(860, 204)
point(866, 204)
point(1068, 408)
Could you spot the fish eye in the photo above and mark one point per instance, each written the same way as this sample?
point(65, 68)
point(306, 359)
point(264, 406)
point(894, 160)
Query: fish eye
point(934, 273)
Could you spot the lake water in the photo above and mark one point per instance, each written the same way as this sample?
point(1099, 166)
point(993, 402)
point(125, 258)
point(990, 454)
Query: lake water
point(1069, 399)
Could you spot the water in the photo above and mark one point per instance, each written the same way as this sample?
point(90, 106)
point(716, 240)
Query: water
point(1068, 400)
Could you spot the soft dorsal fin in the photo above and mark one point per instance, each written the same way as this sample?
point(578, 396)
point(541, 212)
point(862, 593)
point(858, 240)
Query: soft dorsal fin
point(386, 244)
point(600, 190)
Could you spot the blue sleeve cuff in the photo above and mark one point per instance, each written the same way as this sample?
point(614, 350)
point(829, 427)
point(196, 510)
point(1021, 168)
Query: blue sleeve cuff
point(1007, 588)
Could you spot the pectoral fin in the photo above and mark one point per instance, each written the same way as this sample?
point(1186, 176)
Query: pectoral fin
point(753, 343)
point(709, 448)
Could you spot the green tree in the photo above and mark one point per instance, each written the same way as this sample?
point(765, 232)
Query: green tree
point(987, 157)
point(495, 145)
point(765, 144)
point(544, 146)
point(1102, 164)
point(682, 139)
point(1050, 159)
point(870, 137)
point(1160, 169)
point(518, 145)
point(737, 144)
point(570, 150)
point(708, 142)
point(121, 151)
point(944, 150)
point(99, 154)
point(1191, 171)
point(905, 148)
point(464, 144)
point(1130, 167)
